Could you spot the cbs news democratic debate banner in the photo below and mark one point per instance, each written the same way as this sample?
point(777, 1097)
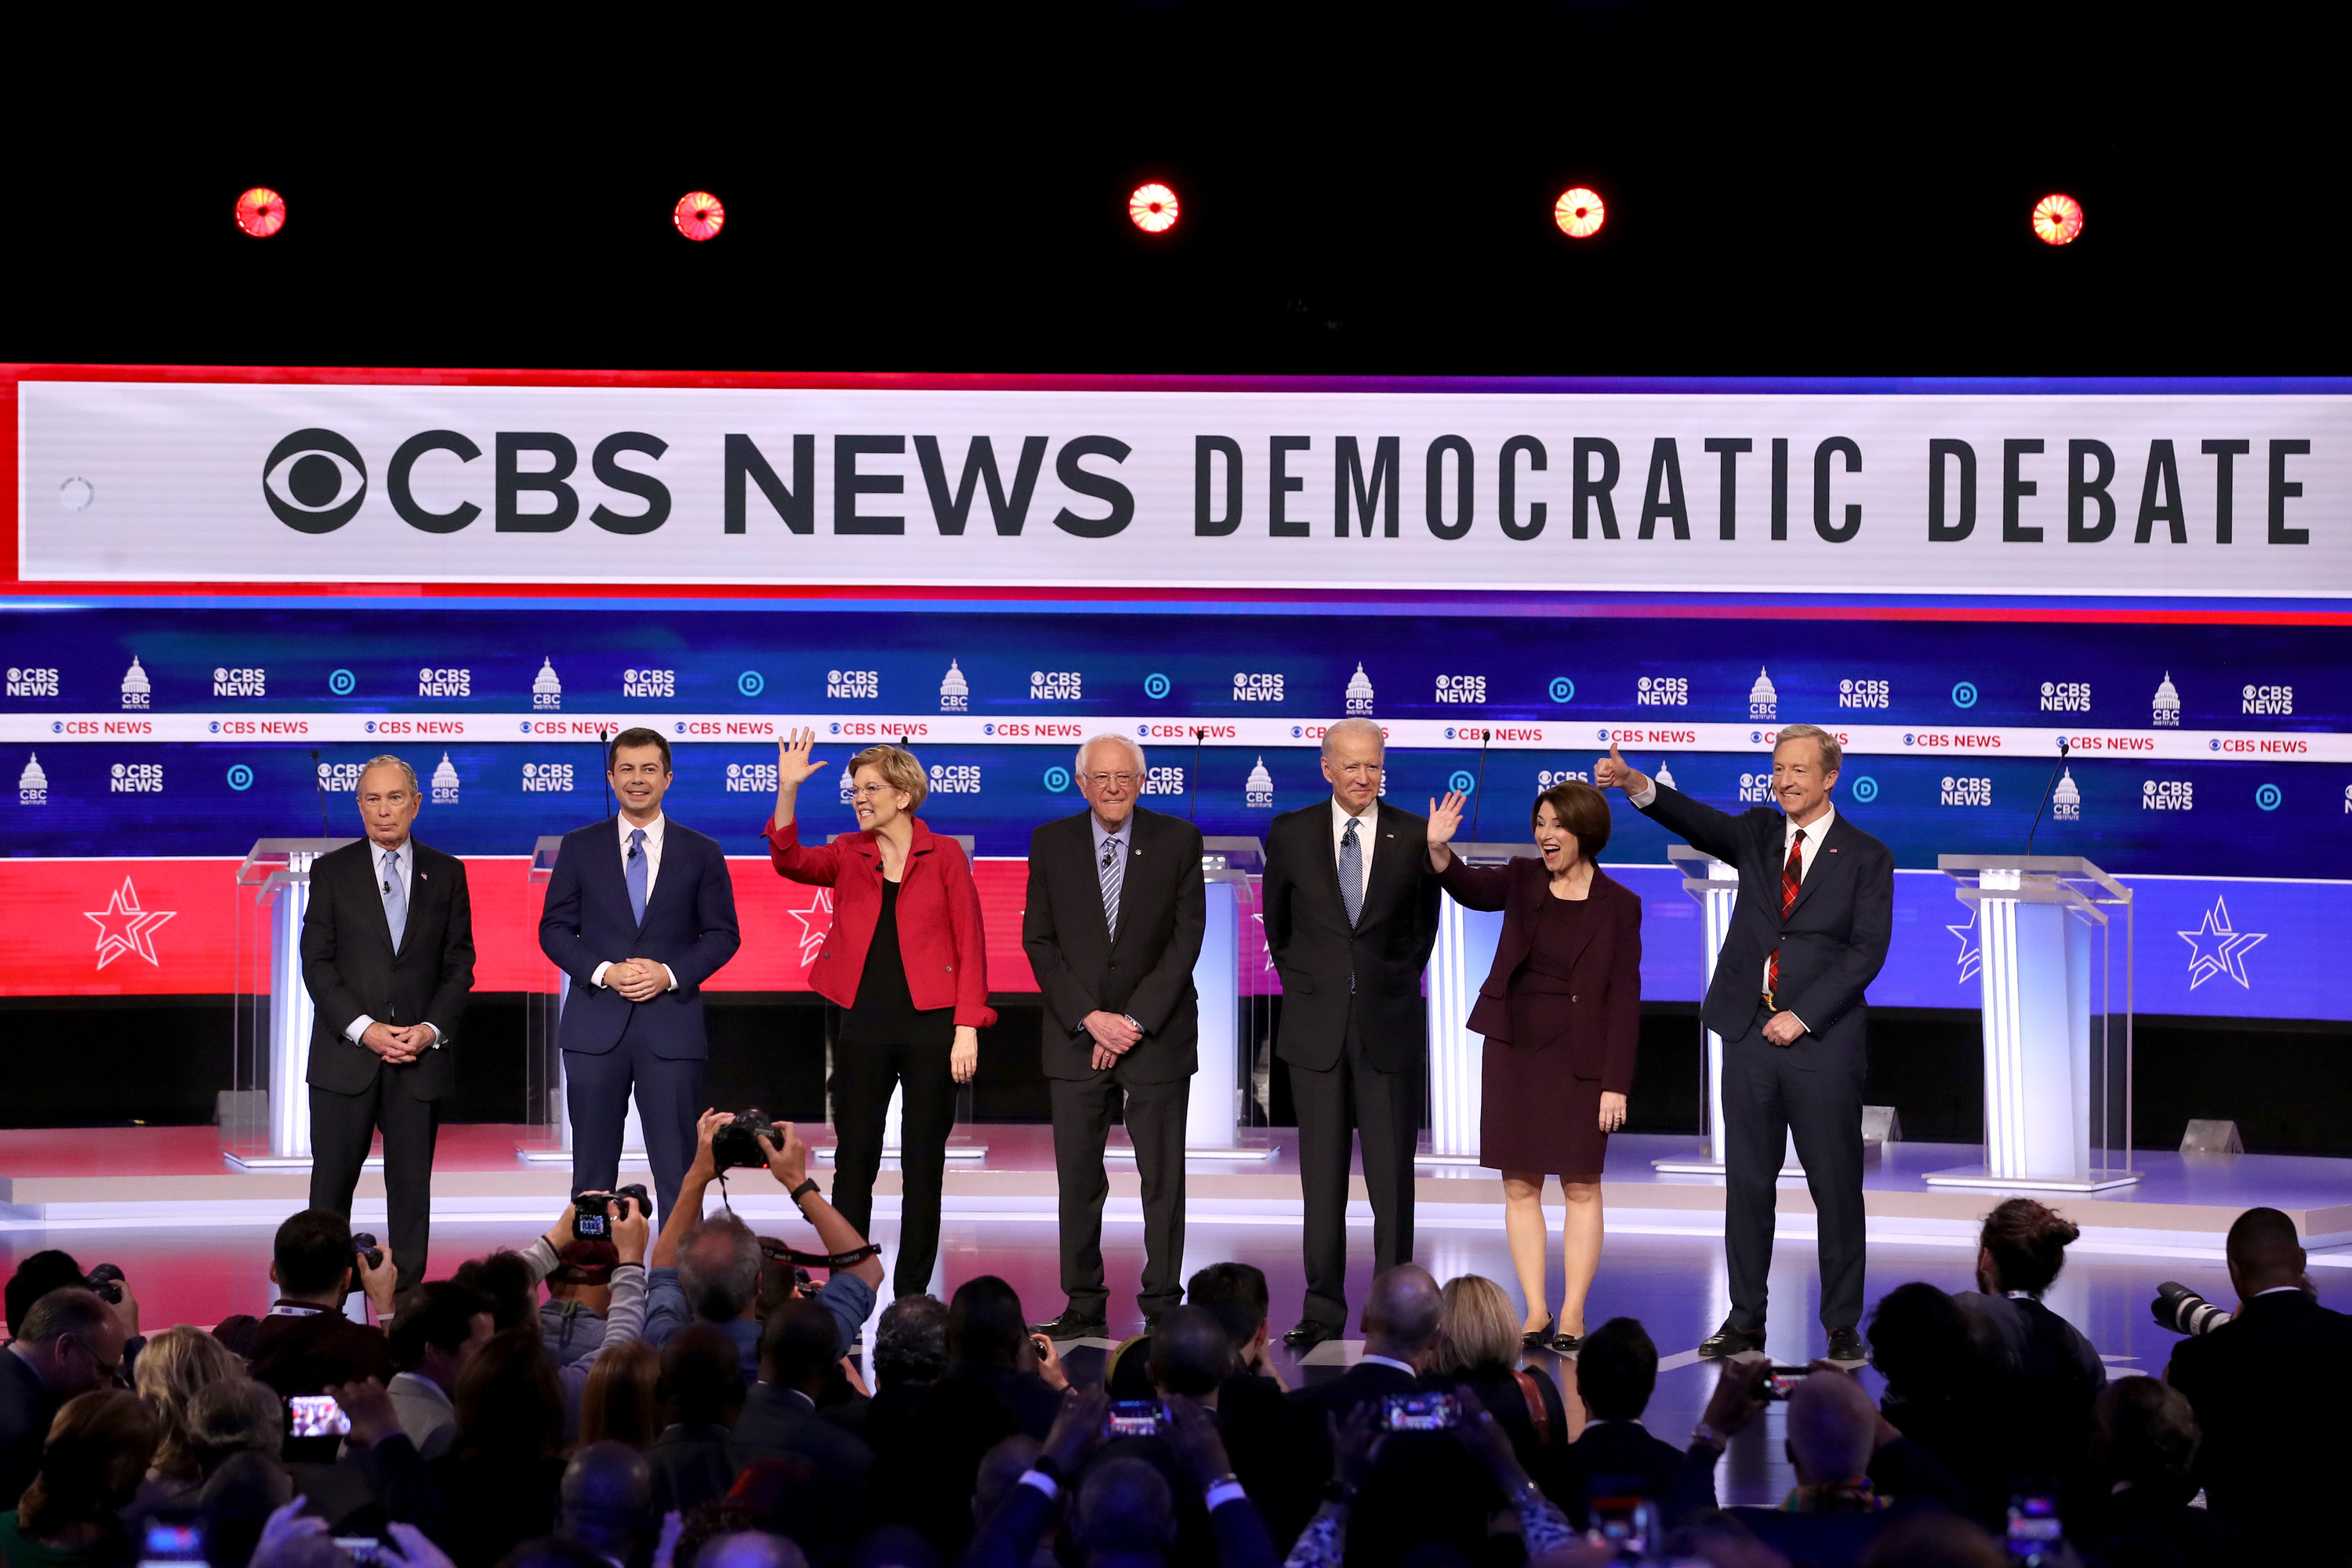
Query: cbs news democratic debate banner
point(659, 480)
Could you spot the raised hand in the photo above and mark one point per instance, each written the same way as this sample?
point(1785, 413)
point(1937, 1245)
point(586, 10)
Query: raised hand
point(795, 766)
point(1613, 771)
point(1445, 817)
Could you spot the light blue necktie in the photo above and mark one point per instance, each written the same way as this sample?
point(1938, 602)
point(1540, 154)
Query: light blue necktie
point(1113, 871)
point(636, 873)
point(395, 899)
point(1352, 870)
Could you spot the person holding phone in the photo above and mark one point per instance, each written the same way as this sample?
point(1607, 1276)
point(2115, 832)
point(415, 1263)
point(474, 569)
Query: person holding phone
point(1561, 1011)
point(906, 962)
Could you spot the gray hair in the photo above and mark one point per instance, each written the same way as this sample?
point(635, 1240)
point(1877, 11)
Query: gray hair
point(1091, 741)
point(389, 760)
point(718, 1268)
point(1833, 754)
point(1363, 727)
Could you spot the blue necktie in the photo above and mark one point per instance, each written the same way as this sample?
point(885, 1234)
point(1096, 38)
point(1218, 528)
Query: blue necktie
point(1352, 870)
point(395, 899)
point(635, 872)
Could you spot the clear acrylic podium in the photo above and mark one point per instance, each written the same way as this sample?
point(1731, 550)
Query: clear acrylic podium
point(1458, 964)
point(265, 1117)
point(2057, 1027)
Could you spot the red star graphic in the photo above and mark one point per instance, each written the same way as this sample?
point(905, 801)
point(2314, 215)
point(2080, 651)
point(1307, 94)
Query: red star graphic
point(816, 923)
point(125, 927)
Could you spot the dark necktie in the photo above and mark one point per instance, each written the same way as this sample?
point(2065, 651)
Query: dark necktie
point(1792, 877)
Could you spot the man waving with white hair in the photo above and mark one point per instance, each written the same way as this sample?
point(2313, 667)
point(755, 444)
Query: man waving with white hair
point(1113, 928)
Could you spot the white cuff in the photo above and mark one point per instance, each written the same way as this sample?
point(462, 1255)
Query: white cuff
point(357, 1027)
point(1643, 801)
point(1222, 1493)
point(437, 1035)
point(596, 978)
point(673, 977)
point(1042, 1481)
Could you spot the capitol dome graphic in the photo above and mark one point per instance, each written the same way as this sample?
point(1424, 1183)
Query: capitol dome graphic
point(1761, 694)
point(545, 683)
point(135, 679)
point(444, 780)
point(1359, 696)
point(1665, 777)
point(2167, 702)
point(2066, 794)
point(954, 685)
point(32, 778)
point(1259, 790)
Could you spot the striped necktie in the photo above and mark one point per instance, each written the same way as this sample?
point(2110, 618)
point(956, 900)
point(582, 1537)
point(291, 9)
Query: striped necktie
point(1112, 871)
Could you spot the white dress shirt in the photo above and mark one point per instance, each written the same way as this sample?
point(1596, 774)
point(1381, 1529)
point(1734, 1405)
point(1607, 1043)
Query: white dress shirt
point(1370, 822)
point(652, 853)
point(401, 860)
point(1814, 831)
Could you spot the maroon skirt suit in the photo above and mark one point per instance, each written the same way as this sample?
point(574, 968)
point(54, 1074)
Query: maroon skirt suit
point(1561, 1011)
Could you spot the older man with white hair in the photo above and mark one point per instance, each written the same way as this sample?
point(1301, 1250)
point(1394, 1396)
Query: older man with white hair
point(1113, 928)
point(1350, 916)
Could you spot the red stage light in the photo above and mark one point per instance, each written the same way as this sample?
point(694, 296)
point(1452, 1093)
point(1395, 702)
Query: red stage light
point(2057, 219)
point(1153, 208)
point(1579, 213)
point(262, 211)
point(699, 215)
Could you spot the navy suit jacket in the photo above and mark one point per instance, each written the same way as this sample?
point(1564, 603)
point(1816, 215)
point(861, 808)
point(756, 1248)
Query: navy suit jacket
point(689, 925)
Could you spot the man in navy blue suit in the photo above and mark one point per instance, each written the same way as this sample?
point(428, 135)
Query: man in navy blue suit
point(640, 913)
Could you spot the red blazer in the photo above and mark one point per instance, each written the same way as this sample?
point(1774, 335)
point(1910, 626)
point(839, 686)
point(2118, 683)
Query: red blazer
point(1602, 1022)
point(940, 935)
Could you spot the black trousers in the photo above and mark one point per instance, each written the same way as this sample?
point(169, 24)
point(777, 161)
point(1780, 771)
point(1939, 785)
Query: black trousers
point(343, 1126)
point(1766, 1100)
point(1383, 1109)
point(1155, 1122)
point(862, 1077)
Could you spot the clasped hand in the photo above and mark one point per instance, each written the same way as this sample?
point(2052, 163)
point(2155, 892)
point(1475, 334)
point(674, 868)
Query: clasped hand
point(638, 979)
point(1113, 1038)
point(398, 1046)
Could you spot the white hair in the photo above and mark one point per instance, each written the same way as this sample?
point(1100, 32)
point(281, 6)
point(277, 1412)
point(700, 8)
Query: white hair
point(389, 760)
point(1363, 727)
point(1115, 739)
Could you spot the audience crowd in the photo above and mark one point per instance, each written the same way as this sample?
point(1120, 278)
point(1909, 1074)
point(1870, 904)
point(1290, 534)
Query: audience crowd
point(693, 1399)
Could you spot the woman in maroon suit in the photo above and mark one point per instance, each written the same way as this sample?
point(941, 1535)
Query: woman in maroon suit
point(906, 962)
point(1561, 1012)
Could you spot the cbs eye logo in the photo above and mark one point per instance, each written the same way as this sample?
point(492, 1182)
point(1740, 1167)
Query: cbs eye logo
point(314, 480)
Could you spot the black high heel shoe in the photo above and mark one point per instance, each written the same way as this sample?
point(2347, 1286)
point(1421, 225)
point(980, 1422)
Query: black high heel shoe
point(1566, 1344)
point(1539, 1339)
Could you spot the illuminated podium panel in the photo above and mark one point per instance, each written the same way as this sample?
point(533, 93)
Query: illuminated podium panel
point(2057, 1025)
point(265, 1114)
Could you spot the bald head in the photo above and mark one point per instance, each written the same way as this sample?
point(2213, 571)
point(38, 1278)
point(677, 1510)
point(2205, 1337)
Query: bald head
point(1402, 1314)
point(750, 1549)
point(1125, 1509)
point(607, 1495)
point(2265, 1252)
point(1832, 1427)
point(1191, 1353)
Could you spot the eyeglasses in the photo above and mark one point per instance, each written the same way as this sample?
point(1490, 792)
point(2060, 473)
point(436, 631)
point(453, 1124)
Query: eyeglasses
point(1123, 781)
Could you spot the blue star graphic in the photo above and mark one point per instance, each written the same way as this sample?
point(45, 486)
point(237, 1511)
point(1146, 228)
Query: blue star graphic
point(2215, 947)
point(1971, 955)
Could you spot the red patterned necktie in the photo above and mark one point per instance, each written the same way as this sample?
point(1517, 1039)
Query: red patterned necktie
point(1792, 877)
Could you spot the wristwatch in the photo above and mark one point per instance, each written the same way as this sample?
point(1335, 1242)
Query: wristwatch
point(803, 1190)
point(1131, 1024)
point(1703, 1433)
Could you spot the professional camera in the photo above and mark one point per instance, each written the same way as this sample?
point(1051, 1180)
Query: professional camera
point(105, 1282)
point(591, 1218)
point(2184, 1312)
point(364, 1248)
point(743, 1143)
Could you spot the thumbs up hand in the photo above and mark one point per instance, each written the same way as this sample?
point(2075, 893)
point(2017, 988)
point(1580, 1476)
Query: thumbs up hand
point(1613, 771)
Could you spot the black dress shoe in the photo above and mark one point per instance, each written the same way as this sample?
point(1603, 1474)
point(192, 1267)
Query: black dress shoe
point(1728, 1341)
point(1539, 1339)
point(1074, 1324)
point(1846, 1345)
point(1309, 1333)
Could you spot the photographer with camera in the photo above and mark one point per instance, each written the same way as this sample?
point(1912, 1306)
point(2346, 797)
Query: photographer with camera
point(709, 1269)
point(306, 1343)
point(2268, 1388)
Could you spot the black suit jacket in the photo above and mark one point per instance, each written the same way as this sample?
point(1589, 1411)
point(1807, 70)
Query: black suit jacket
point(689, 925)
point(1620, 1458)
point(350, 968)
point(27, 1408)
point(1316, 951)
point(1146, 971)
point(1833, 944)
point(2268, 1389)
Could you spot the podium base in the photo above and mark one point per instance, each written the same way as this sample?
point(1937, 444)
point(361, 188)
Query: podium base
point(281, 1162)
point(1979, 1177)
point(1204, 1151)
point(1700, 1165)
point(958, 1148)
point(553, 1154)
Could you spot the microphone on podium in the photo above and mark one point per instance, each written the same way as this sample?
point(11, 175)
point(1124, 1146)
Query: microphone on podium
point(605, 755)
point(2064, 746)
point(1192, 784)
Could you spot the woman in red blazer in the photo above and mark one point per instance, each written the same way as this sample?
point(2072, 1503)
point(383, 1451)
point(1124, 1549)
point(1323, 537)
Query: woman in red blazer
point(1561, 1011)
point(907, 963)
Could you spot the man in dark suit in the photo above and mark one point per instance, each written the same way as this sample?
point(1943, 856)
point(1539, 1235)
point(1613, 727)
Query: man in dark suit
point(388, 956)
point(70, 1343)
point(1113, 929)
point(640, 912)
point(1350, 915)
point(1401, 1312)
point(2269, 1389)
point(799, 1346)
point(1807, 932)
point(1616, 1373)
